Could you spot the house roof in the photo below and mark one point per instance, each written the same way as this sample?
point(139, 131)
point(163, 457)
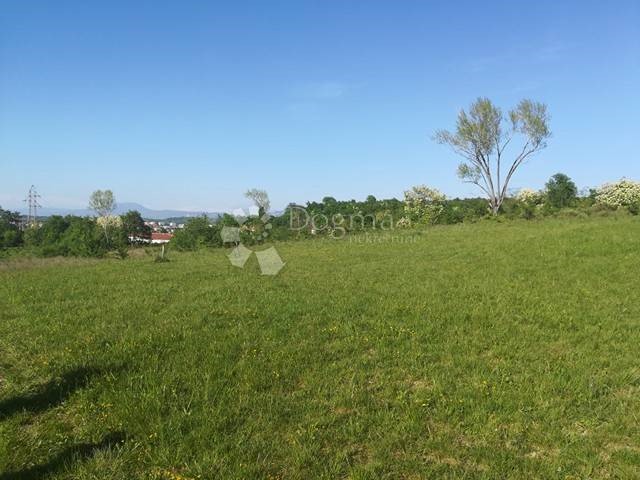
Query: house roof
point(161, 236)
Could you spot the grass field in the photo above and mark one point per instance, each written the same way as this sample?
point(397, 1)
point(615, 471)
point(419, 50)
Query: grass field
point(474, 351)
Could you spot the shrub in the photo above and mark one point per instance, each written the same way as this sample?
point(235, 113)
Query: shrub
point(625, 193)
point(280, 233)
point(74, 236)
point(600, 210)
point(527, 204)
point(634, 208)
point(184, 240)
point(463, 210)
point(10, 234)
point(10, 238)
point(197, 232)
point(451, 214)
point(560, 191)
point(109, 222)
point(423, 204)
point(529, 196)
point(82, 239)
point(404, 222)
point(134, 227)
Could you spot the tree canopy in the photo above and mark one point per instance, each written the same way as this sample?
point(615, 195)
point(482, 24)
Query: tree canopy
point(103, 202)
point(260, 199)
point(560, 191)
point(482, 136)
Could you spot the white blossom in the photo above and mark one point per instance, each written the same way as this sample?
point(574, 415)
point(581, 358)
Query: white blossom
point(529, 196)
point(620, 194)
point(109, 221)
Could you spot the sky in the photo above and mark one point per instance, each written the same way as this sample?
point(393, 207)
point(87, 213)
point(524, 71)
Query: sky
point(186, 105)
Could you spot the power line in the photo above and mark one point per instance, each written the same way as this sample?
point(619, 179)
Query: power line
point(32, 202)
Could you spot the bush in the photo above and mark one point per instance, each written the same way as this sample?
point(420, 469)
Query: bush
point(423, 204)
point(184, 241)
point(560, 191)
point(10, 238)
point(134, 228)
point(83, 238)
point(404, 222)
point(625, 193)
point(280, 233)
point(76, 237)
point(527, 204)
point(451, 214)
point(197, 232)
point(254, 231)
point(634, 208)
point(529, 196)
point(599, 210)
point(10, 234)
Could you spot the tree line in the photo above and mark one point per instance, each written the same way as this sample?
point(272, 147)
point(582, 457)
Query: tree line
point(421, 206)
point(483, 137)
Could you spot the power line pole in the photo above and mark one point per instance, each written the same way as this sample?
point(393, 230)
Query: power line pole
point(32, 202)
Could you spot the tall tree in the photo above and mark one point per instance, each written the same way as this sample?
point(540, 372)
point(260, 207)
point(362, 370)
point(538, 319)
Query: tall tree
point(102, 202)
point(9, 218)
point(482, 136)
point(10, 234)
point(134, 226)
point(260, 199)
point(560, 190)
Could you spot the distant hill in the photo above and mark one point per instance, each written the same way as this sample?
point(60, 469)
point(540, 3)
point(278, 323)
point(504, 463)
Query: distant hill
point(147, 213)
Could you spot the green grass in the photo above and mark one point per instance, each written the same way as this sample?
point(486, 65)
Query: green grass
point(475, 351)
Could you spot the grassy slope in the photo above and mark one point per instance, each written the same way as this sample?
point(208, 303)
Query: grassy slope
point(479, 351)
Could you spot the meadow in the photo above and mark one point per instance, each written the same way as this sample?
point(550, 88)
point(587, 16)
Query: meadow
point(477, 351)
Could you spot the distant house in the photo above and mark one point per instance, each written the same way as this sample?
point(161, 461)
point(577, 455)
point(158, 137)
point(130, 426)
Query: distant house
point(157, 237)
point(139, 240)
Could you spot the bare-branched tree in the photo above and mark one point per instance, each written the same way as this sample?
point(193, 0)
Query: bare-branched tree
point(103, 202)
point(260, 199)
point(481, 137)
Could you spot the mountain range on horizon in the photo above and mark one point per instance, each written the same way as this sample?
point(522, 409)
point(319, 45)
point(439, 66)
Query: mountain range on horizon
point(121, 208)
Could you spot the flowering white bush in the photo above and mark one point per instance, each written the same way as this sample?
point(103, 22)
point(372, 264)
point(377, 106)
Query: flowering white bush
point(404, 222)
point(424, 194)
point(109, 221)
point(529, 196)
point(423, 204)
point(624, 193)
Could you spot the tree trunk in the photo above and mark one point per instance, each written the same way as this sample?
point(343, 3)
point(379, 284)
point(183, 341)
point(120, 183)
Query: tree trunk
point(495, 206)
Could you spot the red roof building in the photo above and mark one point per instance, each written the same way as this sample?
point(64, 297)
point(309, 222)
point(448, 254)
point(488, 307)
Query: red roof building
point(157, 237)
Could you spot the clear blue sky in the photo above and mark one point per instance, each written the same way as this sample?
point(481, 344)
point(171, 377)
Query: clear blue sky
point(188, 104)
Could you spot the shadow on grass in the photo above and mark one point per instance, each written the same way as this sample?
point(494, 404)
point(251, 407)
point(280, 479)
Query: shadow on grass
point(67, 457)
point(52, 393)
